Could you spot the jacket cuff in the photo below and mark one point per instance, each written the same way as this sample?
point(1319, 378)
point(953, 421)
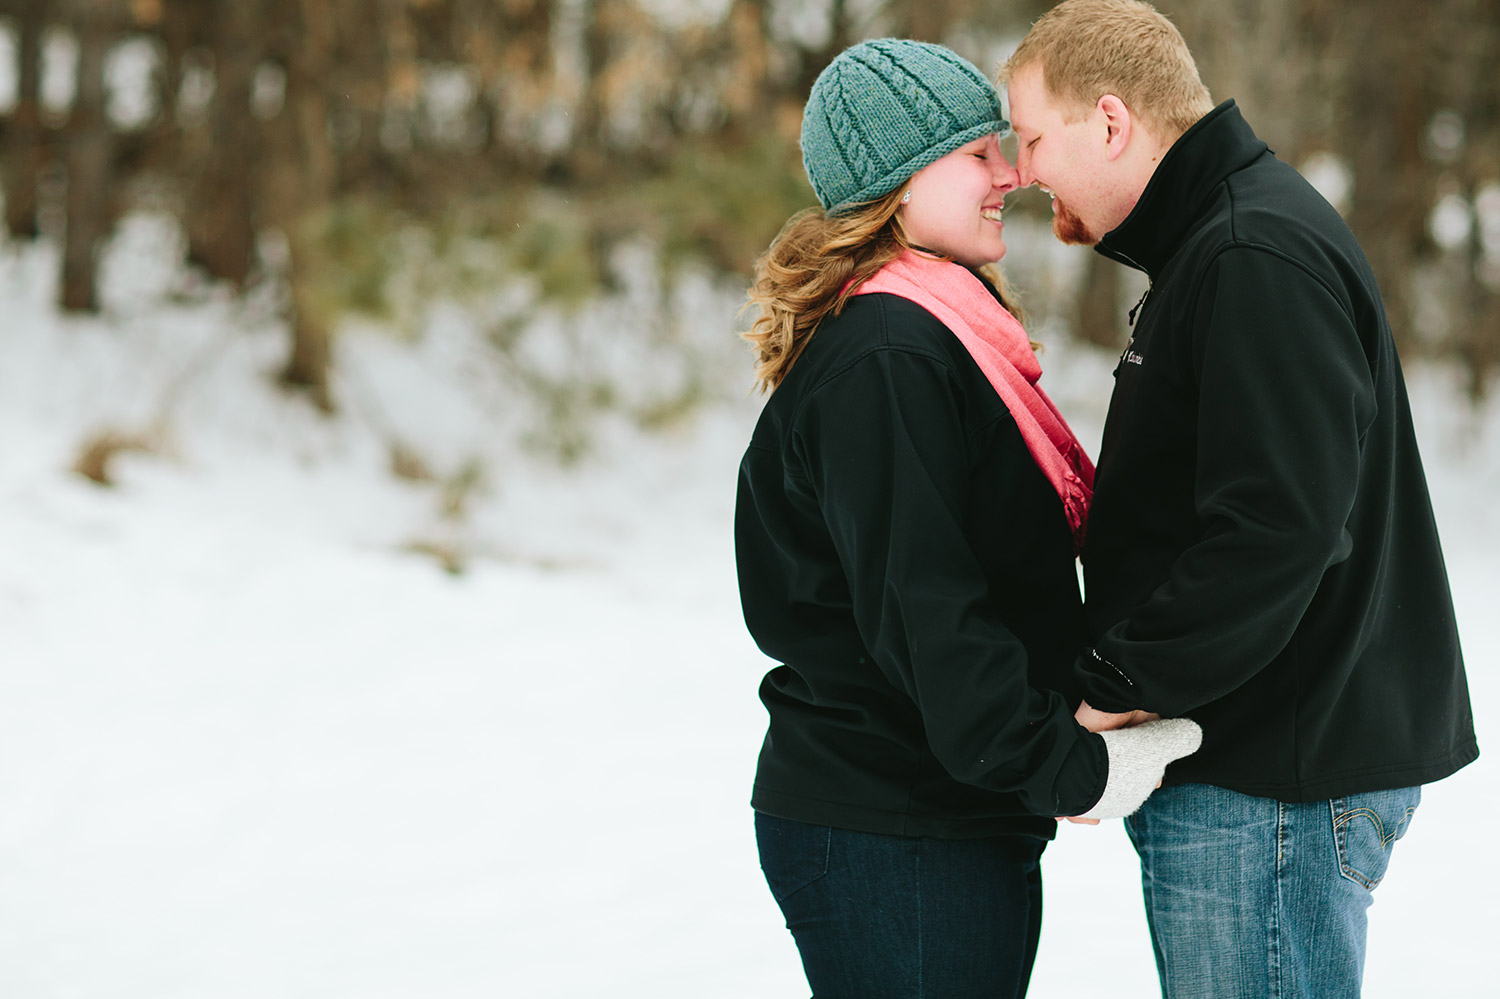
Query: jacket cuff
point(1105, 685)
point(1087, 775)
point(1101, 748)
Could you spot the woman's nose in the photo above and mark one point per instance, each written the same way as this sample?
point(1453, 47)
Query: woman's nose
point(1006, 177)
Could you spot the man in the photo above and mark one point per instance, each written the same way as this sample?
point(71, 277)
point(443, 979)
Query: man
point(1261, 552)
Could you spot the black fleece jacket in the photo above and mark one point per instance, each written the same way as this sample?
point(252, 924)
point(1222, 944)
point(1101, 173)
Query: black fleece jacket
point(901, 553)
point(1261, 554)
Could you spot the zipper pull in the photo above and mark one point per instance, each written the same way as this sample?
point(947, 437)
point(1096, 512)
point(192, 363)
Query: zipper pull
point(1138, 305)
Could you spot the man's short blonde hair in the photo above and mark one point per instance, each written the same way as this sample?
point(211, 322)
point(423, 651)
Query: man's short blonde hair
point(1089, 48)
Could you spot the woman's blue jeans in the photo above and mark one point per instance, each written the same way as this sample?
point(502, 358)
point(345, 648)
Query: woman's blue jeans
point(1253, 898)
point(891, 917)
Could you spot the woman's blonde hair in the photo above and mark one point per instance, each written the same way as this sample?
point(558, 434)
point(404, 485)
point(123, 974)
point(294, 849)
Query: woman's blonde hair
point(811, 270)
point(1089, 48)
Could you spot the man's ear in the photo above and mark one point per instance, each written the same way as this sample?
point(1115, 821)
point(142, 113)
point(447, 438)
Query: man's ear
point(1119, 125)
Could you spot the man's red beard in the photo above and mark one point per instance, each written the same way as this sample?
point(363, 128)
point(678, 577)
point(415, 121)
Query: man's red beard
point(1069, 228)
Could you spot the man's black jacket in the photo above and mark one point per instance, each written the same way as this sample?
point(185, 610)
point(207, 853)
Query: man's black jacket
point(1262, 554)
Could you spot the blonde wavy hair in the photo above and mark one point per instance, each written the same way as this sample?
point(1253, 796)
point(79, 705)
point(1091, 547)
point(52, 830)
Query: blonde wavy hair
point(811, 270)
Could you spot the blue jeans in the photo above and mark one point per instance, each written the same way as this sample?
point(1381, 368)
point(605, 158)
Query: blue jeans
point(890, 917)
point(1253, 898)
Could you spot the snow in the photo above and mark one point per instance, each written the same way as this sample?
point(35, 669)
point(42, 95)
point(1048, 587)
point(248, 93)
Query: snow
point(253, 745)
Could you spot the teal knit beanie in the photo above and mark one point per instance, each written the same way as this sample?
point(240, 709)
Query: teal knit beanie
point(886, 108)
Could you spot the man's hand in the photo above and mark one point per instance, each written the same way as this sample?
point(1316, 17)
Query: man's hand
point(1138, 759)
point(1103, 721)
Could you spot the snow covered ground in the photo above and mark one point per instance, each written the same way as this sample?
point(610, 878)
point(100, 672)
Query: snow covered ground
point(252, 746)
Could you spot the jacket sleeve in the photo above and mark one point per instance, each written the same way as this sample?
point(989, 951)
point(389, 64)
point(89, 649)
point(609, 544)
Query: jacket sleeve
point(1285, 396)
point(885, 451)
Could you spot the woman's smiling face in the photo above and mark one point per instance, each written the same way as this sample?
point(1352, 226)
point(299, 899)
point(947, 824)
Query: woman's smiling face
point(955, 203)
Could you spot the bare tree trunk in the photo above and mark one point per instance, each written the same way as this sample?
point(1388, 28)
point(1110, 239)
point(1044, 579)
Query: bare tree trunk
point(1394, 189)
point(299, 193)
point(519, 72)
point(746, 49)
point(1099, 319)
point(1478, 336)
point(1469, 49)
point(90, 155)
point(587, 159)
point(177, 28)
point(364, 70)
point(814, 60)
point(24, 149)
point(220, 213)
point(929, 20)
point(1236, 44)
point(311, 358)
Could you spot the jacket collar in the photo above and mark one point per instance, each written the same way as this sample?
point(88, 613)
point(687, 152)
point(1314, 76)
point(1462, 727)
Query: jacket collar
point(1217, 145)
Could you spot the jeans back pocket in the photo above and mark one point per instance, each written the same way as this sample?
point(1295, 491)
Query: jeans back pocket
point(792, 854)
point(1366, 827)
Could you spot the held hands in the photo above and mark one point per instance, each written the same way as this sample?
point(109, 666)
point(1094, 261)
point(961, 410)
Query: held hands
point(1095, 720)
point(1140, 745)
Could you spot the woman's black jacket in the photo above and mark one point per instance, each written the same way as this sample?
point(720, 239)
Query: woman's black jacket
point(902, 555)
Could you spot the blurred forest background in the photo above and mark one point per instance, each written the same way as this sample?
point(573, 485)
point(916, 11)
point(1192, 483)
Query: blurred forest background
point(367, 156)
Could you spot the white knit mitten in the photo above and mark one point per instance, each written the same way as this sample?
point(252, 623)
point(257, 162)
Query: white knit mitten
point(1138, 757)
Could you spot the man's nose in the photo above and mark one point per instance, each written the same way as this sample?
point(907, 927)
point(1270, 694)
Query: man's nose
point(1024, 176)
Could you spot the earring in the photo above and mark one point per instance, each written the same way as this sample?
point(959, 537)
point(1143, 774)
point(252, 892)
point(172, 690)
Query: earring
point(906, 198)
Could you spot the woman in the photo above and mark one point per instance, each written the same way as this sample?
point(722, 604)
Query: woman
point(909, 510)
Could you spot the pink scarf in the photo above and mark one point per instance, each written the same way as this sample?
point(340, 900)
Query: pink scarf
point(1003, 352)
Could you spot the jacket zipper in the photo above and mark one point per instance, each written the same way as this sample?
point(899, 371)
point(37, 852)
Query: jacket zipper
point(1130, 321)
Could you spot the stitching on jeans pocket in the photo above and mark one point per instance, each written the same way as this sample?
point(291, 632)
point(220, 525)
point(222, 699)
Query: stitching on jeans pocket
point(1363, 839)
point(807, 863)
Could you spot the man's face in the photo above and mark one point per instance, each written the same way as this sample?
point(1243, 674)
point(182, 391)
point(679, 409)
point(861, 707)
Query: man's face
point(1064, 152)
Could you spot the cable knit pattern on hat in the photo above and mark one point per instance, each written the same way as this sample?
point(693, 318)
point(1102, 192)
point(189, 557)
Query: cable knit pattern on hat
point(885, 109)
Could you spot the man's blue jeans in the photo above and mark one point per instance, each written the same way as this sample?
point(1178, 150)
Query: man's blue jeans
point(1253, 898)
point(891, 917)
